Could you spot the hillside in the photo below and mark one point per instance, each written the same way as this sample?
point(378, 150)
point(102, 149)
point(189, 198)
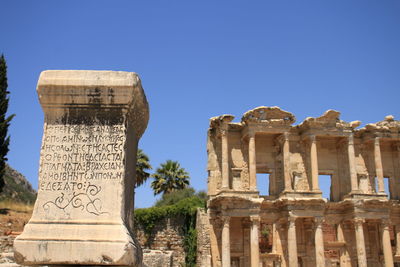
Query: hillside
point(17, 188)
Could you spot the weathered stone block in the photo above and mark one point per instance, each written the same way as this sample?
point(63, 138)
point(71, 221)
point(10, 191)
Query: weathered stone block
point(93, 121)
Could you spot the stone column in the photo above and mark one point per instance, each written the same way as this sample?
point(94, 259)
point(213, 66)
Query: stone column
point(397, 229)
point(396, 181)
point(226, 245)
point(84, 207)
point(360, 242)
point(252, 161)
point(225, 156)
point(254, 242)
point(387, 247)
point(319, 243)
point(314, 163)
point(286, 162)
point(378, 165)
point(352, 164)
point(292, 242)
point(274, 237)
point(343, 250)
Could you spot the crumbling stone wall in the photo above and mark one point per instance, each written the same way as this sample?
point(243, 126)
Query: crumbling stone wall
point(167, 235)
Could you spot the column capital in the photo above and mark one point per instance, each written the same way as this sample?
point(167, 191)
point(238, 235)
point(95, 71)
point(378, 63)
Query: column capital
point(223, 132)
point(377, 140)
point(251, 133)
point(225, 219)
point(282, 138)
point(386, 223)
point(255, 219)
point(292, 219)
point(358, 221)
point(285, 136)
point(318, 221)
point(351, 139)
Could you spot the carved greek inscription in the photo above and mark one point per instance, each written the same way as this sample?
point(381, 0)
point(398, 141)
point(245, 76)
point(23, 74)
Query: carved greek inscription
point(74, 158)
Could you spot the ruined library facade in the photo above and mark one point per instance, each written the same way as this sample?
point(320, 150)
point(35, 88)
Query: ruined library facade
point(293, 224)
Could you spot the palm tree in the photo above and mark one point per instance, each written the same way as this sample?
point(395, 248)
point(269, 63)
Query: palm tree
point(169, 177)
point(142, 165)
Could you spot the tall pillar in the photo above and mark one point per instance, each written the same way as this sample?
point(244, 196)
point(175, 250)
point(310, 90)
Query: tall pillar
point(378, 165)
point(387, 247)
point(343, 250)
point(360, 242)
point(225, 156)
point(254, 242)
point(252, 161)
point(352, 164)
point(396, 181)
point(292, 242)
point(319, 243)
point(397, 229)
point(226, 246)
point(286, 162)
point(275, 237)
point(314, 163)
point(281, 233)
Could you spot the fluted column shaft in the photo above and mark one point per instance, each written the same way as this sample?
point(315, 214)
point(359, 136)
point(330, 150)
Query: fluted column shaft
point(286, 162)
point(319, 244)
point(226, 248)
point(314, 163)
point(352, 164)
point(225, 158)
point(252, 162)
point(292, 243)
point(378, 165)
point(360, 243)
point(387, 247)
point(254, 242)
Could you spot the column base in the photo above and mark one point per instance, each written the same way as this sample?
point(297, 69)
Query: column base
point(232, 192)
point(397, 258)
point(47, 243)
point(301, 194)
point(360, 195)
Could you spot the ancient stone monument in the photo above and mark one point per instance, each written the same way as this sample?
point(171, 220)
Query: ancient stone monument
point(293, 225)
point(83, 213)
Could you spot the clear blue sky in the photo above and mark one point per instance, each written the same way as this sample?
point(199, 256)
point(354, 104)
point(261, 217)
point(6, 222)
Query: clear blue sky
point(199, 59)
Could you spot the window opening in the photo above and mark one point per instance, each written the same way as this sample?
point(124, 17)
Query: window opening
point(263, 183)
point(325, 185)
point(386, 183)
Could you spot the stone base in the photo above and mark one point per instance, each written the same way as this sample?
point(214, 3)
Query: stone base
point(155, 258)
point(243, 193)
point(300, 194)
point(358, 195)
point(396, 258)
point(76, 243)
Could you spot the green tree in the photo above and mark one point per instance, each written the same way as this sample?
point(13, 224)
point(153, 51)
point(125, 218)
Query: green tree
point(169, 177)
point(142, 165)
point(4, 120)
point(177, 195)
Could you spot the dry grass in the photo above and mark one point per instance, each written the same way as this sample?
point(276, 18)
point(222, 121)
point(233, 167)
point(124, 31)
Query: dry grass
point(15, 206)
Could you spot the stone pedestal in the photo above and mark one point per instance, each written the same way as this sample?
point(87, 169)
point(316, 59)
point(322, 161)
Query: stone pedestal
point(83, 212)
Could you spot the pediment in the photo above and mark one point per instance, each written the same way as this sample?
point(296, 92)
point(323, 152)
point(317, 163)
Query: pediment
point(269, 115)
point(329, 120)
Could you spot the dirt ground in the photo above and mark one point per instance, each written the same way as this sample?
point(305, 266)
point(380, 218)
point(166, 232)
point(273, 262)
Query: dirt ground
point(12, 223)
